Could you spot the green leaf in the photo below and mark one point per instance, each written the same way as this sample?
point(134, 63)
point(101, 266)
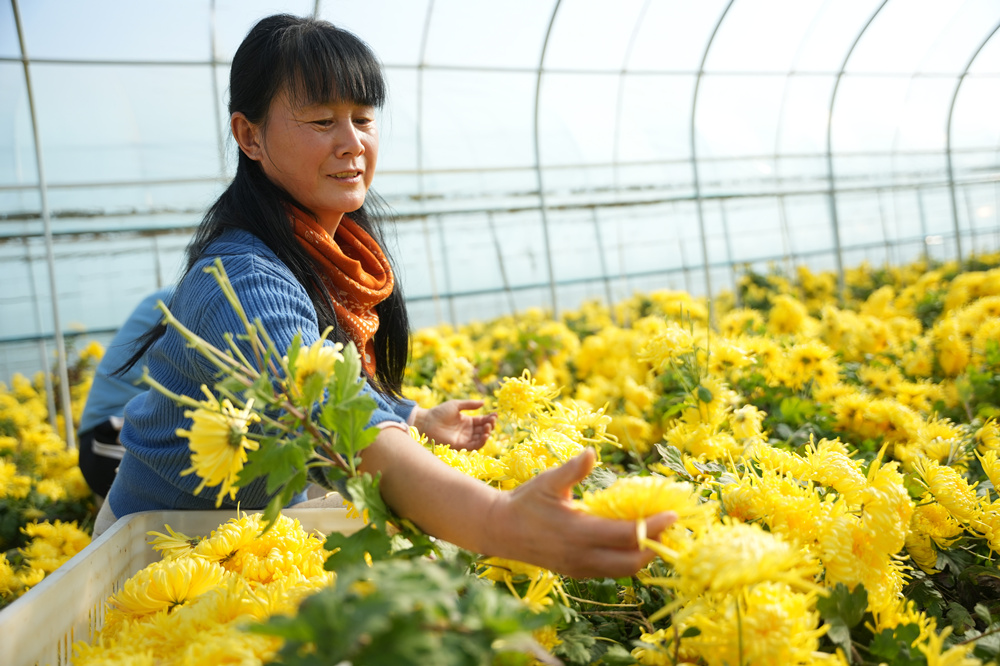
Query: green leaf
point(280, 462)
point(351, 549)
point(844, 604)
point(894, 646)
point(671, 456)
point(599, 479)
point(982, 611)
point(691, 632)
point(617, 655)
point(704, 394)
point(959, 617)
point(842, 609)
point(350, 422)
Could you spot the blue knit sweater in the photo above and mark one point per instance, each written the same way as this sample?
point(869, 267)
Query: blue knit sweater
point(149, 477)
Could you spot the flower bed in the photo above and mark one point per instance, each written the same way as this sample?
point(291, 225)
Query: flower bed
point(834, 466)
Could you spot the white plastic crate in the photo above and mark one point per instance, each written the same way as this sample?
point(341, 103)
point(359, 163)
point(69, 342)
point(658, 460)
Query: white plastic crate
point(68, 606)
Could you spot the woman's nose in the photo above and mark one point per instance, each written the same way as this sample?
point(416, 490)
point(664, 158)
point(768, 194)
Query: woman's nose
point(349, 141)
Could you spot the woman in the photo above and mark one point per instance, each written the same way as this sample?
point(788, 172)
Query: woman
point(300, 247)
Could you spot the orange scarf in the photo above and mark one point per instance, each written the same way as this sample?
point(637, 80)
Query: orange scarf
point(356, 274)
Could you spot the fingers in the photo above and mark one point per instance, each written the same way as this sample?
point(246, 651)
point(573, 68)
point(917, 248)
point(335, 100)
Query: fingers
point(464, 405)
point(562, 479)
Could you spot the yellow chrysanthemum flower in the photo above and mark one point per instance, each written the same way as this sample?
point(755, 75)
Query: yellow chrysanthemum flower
point(318, 359)
point(639, 497)
point(746, 421)
point(218, 443)
point(167, 584)
point(518, 397)
point(671, 342)
point(173, 544)
point(766, 624)
point(949, 488)
point(733, 557)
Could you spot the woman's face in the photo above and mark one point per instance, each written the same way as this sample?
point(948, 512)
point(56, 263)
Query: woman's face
point(322, 154)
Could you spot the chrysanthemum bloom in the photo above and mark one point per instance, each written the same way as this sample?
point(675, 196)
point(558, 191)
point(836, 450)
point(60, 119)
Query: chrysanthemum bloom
point(318, 359)
point(658, 649)
point(12, 484)
point(952, 348)
point(804, 360)
point(671, 343)
point(52, 544)
point(769, 623)
point(543, 450)
point(834, 469)
point(746, 421)
point(886, 506)
point(639, 497)
point(173, 544)
point(988, 437)
point(726, 356)
point(518, 397)
point(991, 465)
point(790, 509)
point(218, 443)
point(632, 432)
point(850, 555)
point(788, 315)
point(455, 376)
point(578, 422)
point(988, 524)
point(732, 557)
point(167, 584)
point(949, 488)
point(710, 403)
point(741, 321)
point(472, 463)
point(10, 586)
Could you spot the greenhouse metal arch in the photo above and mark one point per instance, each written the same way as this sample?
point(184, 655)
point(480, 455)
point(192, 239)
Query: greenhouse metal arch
point(534, 153)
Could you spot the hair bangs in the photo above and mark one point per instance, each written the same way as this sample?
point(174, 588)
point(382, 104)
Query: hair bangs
point(324, 63)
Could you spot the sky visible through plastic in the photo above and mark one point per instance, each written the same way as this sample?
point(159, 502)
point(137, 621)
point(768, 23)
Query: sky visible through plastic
point(660, 133)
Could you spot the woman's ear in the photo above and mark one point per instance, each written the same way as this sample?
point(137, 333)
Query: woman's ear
point(247, 135)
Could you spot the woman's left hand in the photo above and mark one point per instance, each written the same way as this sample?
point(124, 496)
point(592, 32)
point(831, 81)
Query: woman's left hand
point(446, 424)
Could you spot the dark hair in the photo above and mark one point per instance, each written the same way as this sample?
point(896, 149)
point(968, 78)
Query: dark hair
point(315, 62)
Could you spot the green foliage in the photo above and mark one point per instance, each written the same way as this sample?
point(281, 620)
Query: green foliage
point(403, 612)
point(842, 610)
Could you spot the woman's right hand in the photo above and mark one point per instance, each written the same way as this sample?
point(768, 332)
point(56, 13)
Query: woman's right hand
point(537, 523)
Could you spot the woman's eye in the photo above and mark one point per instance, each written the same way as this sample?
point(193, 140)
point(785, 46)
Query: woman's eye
point(323, 122)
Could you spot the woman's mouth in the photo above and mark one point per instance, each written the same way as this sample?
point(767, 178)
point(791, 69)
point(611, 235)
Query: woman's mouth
point(346, 176)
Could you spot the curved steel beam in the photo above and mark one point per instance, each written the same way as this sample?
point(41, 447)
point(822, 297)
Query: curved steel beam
point(694, 161)
point(64, 398)
point(538, 164)
point(619, 105)
point(786, 236)
point(421, 67)
point(951, 169)
point(219, 134)
point(834, 220)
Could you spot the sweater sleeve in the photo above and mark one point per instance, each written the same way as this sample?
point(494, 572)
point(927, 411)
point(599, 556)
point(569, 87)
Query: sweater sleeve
point(151, 475)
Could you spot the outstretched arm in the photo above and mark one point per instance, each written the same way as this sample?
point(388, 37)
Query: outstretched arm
point(536, 523)
point(446, 424)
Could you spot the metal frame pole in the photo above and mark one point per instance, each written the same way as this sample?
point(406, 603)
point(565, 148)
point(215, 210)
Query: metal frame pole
point(834, 219)
point(951, 169)
point(694, 163)
point(64, 397)
point(543, 206)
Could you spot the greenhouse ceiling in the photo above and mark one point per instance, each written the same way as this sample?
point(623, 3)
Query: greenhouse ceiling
point(535, 152)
